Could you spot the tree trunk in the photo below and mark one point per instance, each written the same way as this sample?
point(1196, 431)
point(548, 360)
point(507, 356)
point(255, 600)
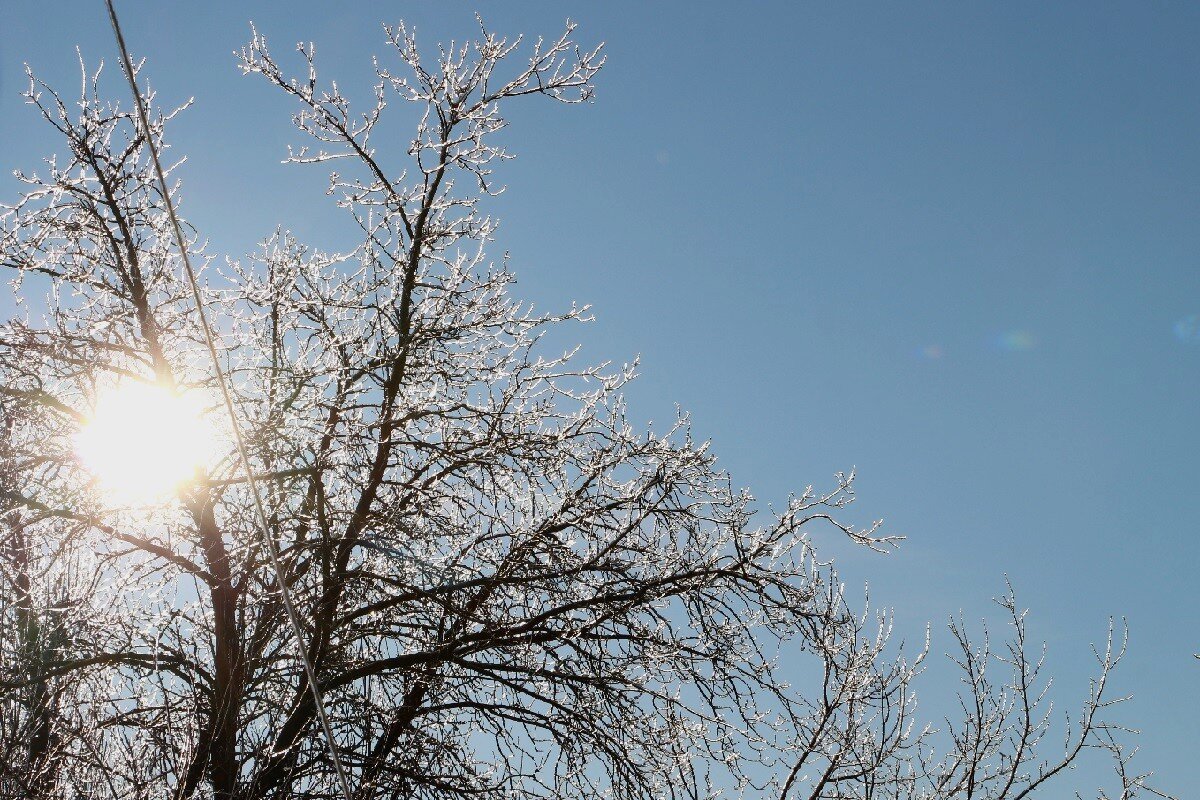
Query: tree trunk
point(226, 691)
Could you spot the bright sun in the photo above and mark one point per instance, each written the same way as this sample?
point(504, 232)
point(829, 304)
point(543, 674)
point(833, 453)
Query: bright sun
point(144, 441)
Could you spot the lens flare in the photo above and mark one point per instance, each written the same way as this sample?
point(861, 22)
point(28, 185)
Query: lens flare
point(1187, 329)
point(1015, 341)
point(144, 441)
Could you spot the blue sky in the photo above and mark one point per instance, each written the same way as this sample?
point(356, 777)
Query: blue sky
point(955, 246)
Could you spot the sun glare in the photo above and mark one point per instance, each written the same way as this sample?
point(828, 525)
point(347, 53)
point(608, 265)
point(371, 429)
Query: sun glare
point(144, 441)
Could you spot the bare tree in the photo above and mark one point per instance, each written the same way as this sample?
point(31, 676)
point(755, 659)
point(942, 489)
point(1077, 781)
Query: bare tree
point(508, 591)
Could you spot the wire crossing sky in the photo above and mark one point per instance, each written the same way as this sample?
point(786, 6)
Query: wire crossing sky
point(265, 528)
point(954, 247)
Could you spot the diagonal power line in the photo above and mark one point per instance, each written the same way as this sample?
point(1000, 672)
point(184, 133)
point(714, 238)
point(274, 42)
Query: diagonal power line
point(260, 513)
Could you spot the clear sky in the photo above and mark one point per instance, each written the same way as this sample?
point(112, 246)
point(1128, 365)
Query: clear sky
point(953, 245)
